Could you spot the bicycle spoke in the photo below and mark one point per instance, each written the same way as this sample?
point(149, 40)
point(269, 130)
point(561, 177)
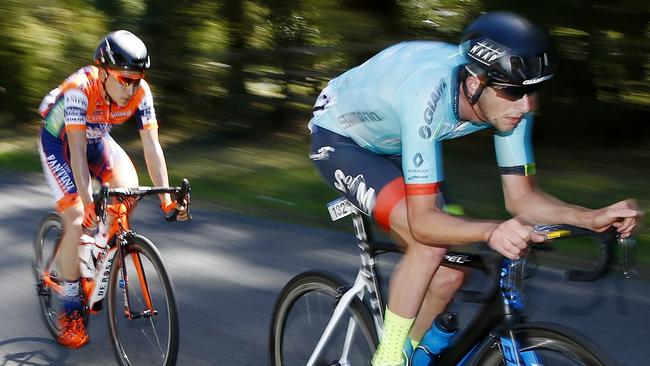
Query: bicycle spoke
point(304, 311)
point(153, 327)
point(147, 336)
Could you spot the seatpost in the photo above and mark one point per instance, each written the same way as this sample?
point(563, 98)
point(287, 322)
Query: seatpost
point(367, 269)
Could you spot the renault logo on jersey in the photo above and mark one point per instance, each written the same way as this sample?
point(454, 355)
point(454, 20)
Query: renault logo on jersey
point(487, 51)
point(425, 132)
point(418, 160)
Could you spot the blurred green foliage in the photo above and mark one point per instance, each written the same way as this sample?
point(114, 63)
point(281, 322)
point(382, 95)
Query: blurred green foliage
point(244, 68)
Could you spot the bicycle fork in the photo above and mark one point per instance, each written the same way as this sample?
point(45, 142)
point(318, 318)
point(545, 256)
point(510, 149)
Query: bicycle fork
point(123, 281)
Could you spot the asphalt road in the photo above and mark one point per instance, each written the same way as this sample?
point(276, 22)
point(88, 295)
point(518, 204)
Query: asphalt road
point(227, 270)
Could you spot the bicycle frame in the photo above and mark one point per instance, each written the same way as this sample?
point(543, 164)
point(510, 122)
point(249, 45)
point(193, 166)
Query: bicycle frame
point(504, 306)
point(365, 282)
point(95, 289)
point(119, 235)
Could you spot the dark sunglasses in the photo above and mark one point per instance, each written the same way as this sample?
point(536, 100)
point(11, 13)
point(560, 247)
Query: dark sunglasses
point(513, 93)
point(126, 80)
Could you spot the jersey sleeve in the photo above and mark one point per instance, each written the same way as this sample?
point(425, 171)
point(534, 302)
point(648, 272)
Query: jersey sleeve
point(48, 101)
point(421, 105)
point(146, 115)
point(75, 107)
point(514, 149)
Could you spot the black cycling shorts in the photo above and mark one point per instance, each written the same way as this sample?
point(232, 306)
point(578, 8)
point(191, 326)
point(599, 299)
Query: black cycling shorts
point(371, 182)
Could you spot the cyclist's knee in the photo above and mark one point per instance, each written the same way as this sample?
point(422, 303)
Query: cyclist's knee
point(124, 178)
point(73, 216)
point(426, 253)
point(445, 283)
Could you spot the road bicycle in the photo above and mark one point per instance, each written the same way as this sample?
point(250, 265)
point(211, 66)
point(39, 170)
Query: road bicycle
point(126, 268)
point(320, 320)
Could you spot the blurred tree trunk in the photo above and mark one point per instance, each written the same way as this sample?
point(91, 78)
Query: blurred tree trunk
point(288, 38)
point(236, 106)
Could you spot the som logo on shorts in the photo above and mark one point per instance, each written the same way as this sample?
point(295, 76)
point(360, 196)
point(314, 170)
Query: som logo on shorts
point(357, 187)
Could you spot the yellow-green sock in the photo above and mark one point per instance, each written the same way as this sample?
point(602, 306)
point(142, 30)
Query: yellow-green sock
point(396, 329)
point(414, 343)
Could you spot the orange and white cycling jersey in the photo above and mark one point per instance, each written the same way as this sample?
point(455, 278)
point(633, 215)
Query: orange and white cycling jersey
point(78, 104)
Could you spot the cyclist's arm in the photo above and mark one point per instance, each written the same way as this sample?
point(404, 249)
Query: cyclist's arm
point(155, 159)
point(79, 163)
point(75, 109)
point(526, 200)
point(153, 153)
point(431, 225)
point(422, 108)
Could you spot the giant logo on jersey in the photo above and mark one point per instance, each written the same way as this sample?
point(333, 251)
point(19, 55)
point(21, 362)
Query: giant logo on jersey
point(425, 131)
point(356, 186)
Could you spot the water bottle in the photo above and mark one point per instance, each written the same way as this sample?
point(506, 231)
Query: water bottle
point(628, 263)
point(87, 266)
point(101, 239)
point(435, 340)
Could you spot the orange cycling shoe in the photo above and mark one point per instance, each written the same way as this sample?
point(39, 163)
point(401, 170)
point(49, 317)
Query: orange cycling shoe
point(74, 333)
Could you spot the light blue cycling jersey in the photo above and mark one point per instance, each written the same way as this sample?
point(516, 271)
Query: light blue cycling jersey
point(404, 100)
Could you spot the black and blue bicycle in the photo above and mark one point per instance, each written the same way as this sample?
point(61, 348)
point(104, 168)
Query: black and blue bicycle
point(319, 320)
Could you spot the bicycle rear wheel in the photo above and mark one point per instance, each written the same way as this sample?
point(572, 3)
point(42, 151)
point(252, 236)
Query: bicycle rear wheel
point(147, 332)
point(550, 344)
point(300, 316)
point(48, 278)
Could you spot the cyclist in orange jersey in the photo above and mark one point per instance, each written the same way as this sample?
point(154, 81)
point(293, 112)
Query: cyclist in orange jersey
point(75, 146)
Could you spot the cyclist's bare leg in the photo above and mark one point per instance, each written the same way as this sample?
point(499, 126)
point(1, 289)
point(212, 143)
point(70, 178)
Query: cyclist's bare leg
point(408, 286)
point(444, 285)
point(68, 257)
point(419, 285)
point(123, 174)
point(414, 273)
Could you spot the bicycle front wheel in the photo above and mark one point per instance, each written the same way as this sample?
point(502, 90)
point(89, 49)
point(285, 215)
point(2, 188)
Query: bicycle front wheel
point(142, 314)
point(301, 314)
point(544, 344)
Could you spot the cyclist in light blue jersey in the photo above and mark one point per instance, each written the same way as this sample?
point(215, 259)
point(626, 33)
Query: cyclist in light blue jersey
point(376, 136)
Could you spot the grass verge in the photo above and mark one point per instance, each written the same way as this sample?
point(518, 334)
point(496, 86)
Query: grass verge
point(273, 177)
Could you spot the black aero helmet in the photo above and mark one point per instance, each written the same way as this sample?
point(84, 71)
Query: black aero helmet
point(122, 50)
point(506, 48)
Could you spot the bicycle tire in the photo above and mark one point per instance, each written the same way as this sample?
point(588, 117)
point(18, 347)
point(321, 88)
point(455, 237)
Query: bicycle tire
point(127, 351)
point(45, 250)
point(316, 282)
point(547, 340)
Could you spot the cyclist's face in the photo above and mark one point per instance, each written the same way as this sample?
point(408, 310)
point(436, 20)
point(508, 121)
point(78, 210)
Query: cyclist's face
point(504, 108)
point(122, 85)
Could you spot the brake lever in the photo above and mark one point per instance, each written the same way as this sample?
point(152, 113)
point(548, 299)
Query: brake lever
point(182, 199)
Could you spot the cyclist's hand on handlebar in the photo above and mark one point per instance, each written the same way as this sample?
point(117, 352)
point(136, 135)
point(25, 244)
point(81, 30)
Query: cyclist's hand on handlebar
point(511, 238)
point(90, 217)
point(625, 216)
point(171, 208)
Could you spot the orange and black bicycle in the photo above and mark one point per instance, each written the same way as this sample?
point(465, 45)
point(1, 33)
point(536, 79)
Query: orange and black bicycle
point(123, 268)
